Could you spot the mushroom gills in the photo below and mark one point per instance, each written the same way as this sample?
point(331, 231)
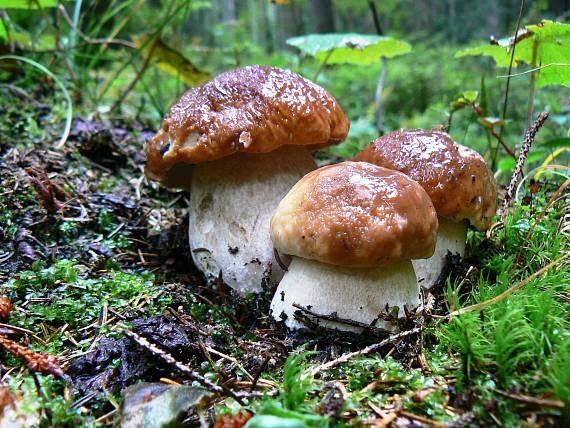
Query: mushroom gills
point(451, 237)
point(231, 203)
point(357, 294)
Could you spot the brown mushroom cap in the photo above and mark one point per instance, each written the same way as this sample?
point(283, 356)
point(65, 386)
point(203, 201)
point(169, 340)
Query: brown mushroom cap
point(457, 179)
point(355, 214)
point(254, 109)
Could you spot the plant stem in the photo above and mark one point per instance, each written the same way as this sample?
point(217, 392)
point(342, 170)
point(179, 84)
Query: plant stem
point(382, 77)
point(378, 96)
point(75, 28)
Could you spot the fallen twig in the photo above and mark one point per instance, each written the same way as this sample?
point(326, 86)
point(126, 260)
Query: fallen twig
point(335, 318)
point(554, 404)
point(528, 140)
point(424, 420)
point(371, 348)
point(157, 351)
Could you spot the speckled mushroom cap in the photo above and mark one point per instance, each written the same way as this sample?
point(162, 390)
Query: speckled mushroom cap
point(457, 179)
point(253, 109)
point(355, 214)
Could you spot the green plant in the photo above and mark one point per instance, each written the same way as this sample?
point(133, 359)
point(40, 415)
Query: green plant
point(292, 408)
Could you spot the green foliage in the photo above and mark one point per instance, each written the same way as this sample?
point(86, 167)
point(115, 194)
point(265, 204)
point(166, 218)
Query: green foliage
point(377, 380)
point(46, 71)
point(53, 408)
point(297, 383)
point(292, 408)
point(525, 333)
point(351, 48)
point(27, 4)
point(559, 376)
point(59, 295)
point(546, 44)
point(3, 31)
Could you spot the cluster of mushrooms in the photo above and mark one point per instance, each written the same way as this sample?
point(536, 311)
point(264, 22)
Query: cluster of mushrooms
point(351, 240)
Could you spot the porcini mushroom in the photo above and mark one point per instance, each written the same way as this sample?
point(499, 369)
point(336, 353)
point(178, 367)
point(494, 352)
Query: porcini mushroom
point(352, 229)
point(239, 143)
point(457, 179)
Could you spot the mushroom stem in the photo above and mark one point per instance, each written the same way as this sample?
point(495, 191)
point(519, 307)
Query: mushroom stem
point(358, 294)
point(451, 237)
point(232, 200)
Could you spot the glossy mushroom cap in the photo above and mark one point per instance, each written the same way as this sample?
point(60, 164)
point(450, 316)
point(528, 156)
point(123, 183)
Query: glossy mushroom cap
point(355, 214)
point(458, 180)
point(254, 109)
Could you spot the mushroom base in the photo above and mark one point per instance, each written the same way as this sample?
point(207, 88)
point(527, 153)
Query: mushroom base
point(231, 203)
point(356, 294)
point(451, 237)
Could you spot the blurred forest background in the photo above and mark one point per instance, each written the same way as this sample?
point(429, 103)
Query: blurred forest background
point(133, 58)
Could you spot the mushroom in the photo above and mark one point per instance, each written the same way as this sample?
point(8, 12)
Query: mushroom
point(457, 179)
point(352, 229)
point(239, 143)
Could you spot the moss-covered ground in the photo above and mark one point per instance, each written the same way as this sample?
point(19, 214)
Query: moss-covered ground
point(89, 247)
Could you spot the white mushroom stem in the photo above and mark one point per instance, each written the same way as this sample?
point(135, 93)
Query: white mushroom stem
point(231, 203)
point(357, 294)
point(451, 237)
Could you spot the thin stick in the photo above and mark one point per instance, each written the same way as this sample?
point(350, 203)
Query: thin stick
point(419, 418)
point(155, 350)
point(532, 70)
point(510, 291)
point(528, 140)
point(531, 400)
point(346, 357)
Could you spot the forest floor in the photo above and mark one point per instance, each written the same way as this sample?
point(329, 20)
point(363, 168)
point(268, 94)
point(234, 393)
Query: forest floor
point(94, 260)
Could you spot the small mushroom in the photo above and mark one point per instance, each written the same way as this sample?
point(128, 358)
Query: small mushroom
point(457, 179)
point(239, 143)
point(352, 229)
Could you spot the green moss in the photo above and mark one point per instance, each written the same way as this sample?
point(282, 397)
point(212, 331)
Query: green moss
point(59, 295)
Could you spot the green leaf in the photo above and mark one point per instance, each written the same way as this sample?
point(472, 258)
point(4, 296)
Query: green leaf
point(171, 61)
point(508, 164)
point(558, 142)
point(552, 42)
point(350, 48)
point(27, 4)
point(470, 96)
point(3, 31)
point(491, 122)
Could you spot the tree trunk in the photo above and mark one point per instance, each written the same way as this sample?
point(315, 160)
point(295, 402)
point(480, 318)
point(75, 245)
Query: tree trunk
point(228, 12)
point(323, 16)
point(284, 25)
